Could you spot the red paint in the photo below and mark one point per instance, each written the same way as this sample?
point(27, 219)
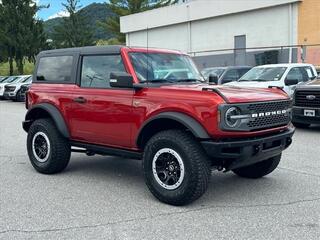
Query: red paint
point(110, 118)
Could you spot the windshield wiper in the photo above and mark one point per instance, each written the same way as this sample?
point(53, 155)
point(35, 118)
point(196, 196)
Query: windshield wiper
point(189, 80)
point(160, 81)
point(253, 80)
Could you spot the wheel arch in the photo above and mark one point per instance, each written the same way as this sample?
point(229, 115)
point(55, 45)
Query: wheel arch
point(169, 120)
point(46, 110)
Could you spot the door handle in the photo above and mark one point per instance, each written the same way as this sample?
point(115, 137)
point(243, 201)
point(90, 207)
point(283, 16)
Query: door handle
point(80, 100)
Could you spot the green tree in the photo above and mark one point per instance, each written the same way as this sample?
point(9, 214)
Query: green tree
point(126, 7)
point(21, 34)
point(74, 31)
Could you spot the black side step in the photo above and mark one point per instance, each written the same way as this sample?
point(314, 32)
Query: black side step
point(102, 150)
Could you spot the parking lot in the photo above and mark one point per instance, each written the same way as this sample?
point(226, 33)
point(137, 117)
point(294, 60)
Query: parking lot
point(106, 198)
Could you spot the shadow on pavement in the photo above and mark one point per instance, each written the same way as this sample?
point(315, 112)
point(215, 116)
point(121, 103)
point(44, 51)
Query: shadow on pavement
point(223, 188)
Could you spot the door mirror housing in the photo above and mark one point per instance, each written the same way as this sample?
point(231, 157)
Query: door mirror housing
point(291, 81)
point(121, 80)
point(213, 78)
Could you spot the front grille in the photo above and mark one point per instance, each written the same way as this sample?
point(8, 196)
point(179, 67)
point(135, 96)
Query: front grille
point(301, 99)
point(9, 88)
point(271, 117)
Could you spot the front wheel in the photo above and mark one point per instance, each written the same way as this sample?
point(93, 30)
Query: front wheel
point(176, 168)
point(259, 169)
point(49, 152)
point(18, 97)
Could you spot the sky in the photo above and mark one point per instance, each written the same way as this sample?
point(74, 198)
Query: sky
point(56, 8)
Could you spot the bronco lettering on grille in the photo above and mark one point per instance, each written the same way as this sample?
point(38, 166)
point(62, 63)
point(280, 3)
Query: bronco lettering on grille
point(266, 114)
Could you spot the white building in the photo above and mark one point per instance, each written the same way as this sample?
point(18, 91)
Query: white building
point(211, 30)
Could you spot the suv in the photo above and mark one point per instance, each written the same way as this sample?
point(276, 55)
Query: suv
point(225, 74)
point(306, 108)
point(153, 105)
point(13, 91)
point(11, 79)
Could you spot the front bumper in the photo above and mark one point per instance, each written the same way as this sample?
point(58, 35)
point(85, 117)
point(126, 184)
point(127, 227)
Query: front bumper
point(243, 152)
point(298, 115)
point(9, 95)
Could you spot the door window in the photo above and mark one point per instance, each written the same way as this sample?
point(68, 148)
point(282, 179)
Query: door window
point(95, 71)
point(298, 73)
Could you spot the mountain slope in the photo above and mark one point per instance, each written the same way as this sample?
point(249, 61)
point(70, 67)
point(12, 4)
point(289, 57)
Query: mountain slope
point(94, 12)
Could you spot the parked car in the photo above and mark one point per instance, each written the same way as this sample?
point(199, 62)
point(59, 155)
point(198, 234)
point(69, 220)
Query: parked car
point(224, 75)
point(306, 105)
point(286, 76)
point(3, 79)
point(113, 103)
point(23, 91)
point(12, 90)
point(8, 80)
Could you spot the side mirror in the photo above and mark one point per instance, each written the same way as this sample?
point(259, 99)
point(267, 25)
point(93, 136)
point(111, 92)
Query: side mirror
point(213, 78)
point(290, 81)
point(121, 80)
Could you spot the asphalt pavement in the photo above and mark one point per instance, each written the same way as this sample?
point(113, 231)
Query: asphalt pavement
point(106, 198)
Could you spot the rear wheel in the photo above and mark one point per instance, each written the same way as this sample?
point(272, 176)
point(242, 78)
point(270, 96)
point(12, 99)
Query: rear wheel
point(176, 168)
point(259, 169)
point(301, 125)
point(49, 152)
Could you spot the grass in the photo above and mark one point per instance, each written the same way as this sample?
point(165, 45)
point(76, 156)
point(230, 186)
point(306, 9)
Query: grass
point(27, 68)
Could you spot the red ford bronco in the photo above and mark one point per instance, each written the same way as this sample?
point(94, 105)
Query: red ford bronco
point(153, 105)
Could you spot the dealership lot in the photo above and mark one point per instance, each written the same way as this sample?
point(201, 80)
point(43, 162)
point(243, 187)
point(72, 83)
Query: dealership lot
point(105, 197)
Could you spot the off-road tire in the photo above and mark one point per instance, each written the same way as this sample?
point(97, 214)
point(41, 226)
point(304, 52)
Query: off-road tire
point(301, 125)
point(196, 164)
point(60, 150)
point(259, 169)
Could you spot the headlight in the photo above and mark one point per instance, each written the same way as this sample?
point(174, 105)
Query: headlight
point(233, 117)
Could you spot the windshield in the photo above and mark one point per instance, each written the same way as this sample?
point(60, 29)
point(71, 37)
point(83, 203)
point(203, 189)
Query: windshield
point(216, 71)
point(2, 79)
point(28, 79)
point(10, 79)
point(264, 74)
point(164, 67)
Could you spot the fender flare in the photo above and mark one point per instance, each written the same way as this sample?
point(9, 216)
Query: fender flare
point(189, 122)
point(53, 112)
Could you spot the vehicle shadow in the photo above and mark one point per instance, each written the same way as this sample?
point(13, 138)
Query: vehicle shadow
point(224, 188)
point(312, 128)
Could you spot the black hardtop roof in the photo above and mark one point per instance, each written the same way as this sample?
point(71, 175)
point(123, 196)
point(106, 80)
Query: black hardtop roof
point(110, 49)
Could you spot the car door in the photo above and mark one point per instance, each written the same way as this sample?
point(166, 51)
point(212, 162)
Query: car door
point(101, 114)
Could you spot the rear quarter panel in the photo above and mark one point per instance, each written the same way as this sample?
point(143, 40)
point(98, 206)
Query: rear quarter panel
point(59, 95)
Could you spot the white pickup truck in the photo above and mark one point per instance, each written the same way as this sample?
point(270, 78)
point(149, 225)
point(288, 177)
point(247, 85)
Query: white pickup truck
point(286, 76)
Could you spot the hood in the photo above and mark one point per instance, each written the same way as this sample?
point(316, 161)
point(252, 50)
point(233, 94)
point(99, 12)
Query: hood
point(232, 94)
point(256, 84)
point(315, 84)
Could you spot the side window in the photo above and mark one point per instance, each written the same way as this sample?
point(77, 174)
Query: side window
point(231, 75)
point(55, 69)
point(295, 73)
point(309, 73)
point(95, 71)
point(241, 72)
